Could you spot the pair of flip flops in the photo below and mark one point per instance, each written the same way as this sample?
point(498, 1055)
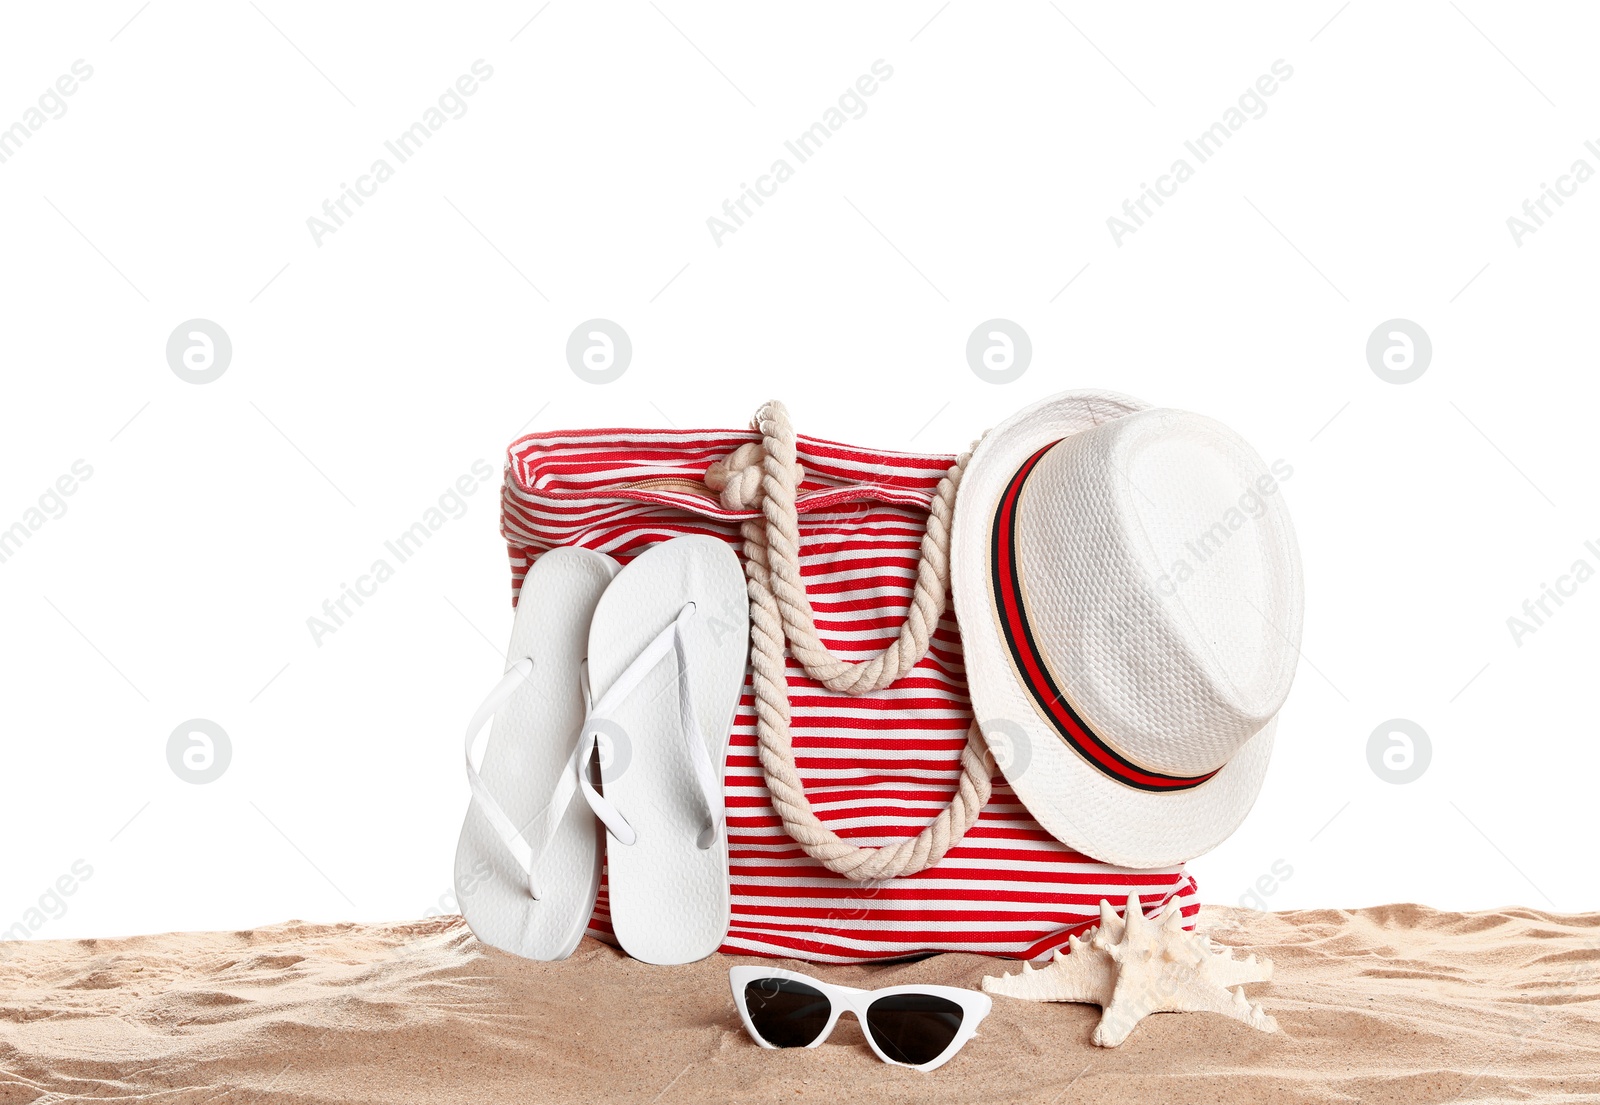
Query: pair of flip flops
point(627, 678)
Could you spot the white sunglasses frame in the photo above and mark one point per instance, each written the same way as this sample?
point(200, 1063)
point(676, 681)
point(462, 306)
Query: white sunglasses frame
point(975, 1005)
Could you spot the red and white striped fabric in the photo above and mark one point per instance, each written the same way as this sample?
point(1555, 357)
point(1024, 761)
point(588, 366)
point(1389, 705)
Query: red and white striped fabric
point(877, 767)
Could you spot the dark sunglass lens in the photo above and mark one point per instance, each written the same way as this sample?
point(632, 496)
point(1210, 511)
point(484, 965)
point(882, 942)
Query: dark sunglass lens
point(913, 1028)
point(786, 1013)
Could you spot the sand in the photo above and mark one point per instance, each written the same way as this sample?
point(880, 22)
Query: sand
point(1397, 1003)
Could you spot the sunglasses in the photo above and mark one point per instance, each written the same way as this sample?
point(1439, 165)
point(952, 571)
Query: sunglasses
point(909, 1026)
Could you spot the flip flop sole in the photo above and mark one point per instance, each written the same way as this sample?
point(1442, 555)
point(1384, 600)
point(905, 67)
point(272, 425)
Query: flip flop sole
point(531, 740)
point(669, 898)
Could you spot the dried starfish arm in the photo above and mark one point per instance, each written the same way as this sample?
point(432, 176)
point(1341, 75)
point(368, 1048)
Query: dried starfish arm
point(1083, 974)
point(1133, 1003)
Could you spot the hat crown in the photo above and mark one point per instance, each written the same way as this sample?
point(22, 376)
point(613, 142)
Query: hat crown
point(1162, 584)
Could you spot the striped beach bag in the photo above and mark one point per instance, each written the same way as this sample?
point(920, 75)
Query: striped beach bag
point(876, 770)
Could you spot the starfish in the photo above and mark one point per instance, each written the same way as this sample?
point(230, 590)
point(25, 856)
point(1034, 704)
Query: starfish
point(1131, 967)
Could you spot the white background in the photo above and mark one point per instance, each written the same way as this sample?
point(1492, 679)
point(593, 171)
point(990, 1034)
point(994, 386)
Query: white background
point(369, 372)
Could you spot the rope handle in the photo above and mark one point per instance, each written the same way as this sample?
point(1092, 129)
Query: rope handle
point(769, 474)
point(781, 614)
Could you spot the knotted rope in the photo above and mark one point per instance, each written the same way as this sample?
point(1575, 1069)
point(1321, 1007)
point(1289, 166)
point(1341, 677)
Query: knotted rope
point(768, 474)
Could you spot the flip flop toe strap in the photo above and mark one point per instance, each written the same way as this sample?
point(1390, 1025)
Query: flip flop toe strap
point(597, 727)
point(512, 837)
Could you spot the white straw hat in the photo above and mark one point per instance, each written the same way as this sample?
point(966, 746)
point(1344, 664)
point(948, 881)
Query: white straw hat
point(1128, 589)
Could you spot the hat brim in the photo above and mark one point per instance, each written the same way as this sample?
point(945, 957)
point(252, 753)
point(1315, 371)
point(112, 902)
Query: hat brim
point(1074, 801)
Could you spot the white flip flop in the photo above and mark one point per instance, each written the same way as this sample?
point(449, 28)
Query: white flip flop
point(528, 862)
point(667, 654)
